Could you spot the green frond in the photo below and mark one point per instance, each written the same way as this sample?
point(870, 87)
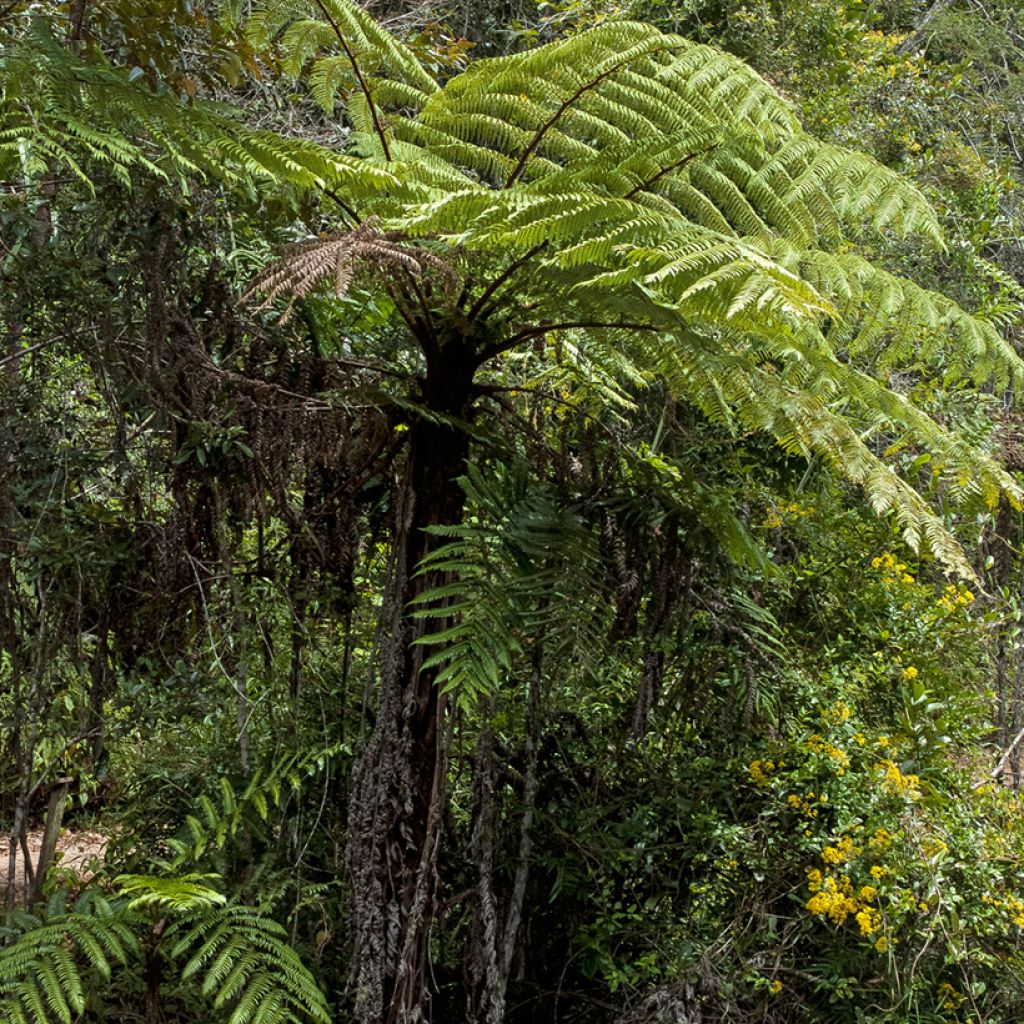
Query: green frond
point(55, 107)
point(509, 570)
point(173, 894)
point(333, 34)
point(49, 964)
point(243, 962)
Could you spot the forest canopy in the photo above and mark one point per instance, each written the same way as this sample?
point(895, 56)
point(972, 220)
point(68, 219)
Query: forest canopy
point(511, 512)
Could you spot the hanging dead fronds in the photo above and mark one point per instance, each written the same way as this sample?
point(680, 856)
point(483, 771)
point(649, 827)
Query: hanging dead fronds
point(336, 257)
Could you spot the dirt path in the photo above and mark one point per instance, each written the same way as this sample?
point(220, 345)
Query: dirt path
point(75, 850)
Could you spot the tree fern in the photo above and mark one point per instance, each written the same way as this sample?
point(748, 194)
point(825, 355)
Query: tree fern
point(657, 196)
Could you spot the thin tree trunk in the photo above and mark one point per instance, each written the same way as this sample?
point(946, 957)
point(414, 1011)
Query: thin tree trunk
point(51, 833)
point(494, 943)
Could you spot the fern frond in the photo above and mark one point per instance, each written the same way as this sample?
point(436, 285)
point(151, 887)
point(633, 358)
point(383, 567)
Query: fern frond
point(509, 575)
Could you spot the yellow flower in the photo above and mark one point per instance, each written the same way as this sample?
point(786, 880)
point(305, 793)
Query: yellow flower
point(869, 920)
point(896, 782)
point(910, 673)
point(882, 944)
point(833, 900)
point(881, 840)
point(844, 850)
point(839, 712)
point(816, 744)
point(877, 871)
point(775, 987)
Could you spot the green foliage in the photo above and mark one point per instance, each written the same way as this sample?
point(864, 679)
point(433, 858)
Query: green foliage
point(49, 964)
point(687, 667)
point(60, 112)
point(226, 814)
point(509, 565)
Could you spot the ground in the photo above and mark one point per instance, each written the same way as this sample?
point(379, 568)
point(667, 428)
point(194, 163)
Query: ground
point(75, 851)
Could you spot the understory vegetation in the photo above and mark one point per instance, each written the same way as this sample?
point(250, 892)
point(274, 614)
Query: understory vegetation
point(511, 512)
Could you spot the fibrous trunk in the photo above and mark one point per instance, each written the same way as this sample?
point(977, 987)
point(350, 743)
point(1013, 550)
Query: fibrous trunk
point(398, 794)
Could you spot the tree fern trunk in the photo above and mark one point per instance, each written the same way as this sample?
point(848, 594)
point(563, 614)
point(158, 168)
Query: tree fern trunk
point(398, 795)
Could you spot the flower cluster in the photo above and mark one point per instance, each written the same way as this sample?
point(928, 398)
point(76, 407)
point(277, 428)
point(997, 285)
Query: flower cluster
point(785, 510)
point(805, 804)
point(893, 571)
point(1013, 905)
point(949, 997)
point(881, 839)
point(836, 898)
point(836, 714)
point(760, 771)
point(895, 782)
point(842, 852)
point(955, 596)
point(817, 744)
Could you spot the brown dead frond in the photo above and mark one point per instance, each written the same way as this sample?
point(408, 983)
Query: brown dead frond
point(336, 256)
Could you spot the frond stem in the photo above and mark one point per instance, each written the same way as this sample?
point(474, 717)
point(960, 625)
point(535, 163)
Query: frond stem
point(677, 166)
point(535, 332)
point(332, 194)
point(481, 303)
point(538, 137)
point(378, 124)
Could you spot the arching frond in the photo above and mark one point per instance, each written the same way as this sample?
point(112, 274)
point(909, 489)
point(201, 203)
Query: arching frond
point(509, 569)
point(56, 109)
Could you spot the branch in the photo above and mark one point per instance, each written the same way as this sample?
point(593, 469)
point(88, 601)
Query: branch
point(999, 768)
point(534, 332)
point(915, 37)
point(378, 125)
point(16, 356)
point(538, 137)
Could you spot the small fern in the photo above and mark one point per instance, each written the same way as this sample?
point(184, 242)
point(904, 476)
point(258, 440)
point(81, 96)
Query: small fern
point(219, 818)
point(50, 963)
point(237, 957)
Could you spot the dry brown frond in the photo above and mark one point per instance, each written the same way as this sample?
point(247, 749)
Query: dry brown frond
point(303, 266)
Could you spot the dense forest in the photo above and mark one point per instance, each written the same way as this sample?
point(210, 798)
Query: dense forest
point(510, 511)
